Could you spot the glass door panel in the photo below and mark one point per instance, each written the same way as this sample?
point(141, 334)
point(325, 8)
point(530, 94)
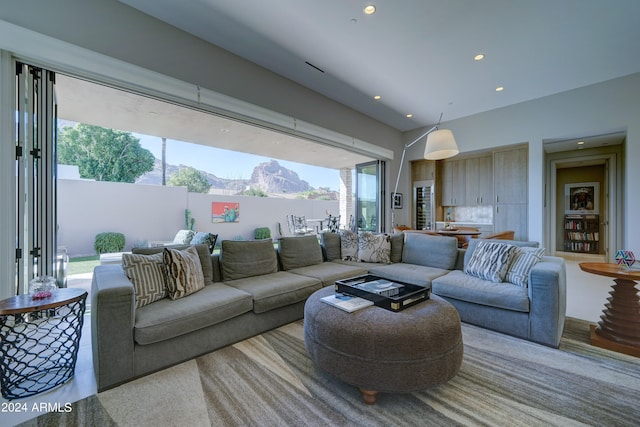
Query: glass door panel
point(369, 196)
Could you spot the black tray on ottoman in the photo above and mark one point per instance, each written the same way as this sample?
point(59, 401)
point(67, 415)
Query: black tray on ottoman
point(389, 294)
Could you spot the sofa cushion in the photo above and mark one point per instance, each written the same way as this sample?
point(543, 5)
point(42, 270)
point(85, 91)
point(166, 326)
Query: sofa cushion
point(408, 273)
point(299, 251)
point(242, 259)
point(397, 242)
point(374, 247)
point(276, 290)
point(147, 274)
point(184, 272)
point(166, 319)
point(328, 272)
point(458, 285)
point(523, 262)
point(203, 253)
point(491, 260)
point(331, 243)
point(348, 245)
point(430, 251)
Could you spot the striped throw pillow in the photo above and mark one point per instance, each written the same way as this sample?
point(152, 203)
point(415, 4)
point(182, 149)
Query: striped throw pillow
point(522, 263)
point(146, 273)
point(490, 261)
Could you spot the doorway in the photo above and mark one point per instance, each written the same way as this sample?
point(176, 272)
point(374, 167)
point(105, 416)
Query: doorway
point(592, 228)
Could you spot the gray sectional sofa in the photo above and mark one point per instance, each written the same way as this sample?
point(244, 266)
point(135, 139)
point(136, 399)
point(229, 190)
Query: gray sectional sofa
point(251, 288)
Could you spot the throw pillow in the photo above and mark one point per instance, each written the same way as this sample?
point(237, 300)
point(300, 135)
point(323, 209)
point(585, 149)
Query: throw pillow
point(146, 273)
point(374, 247)
point(208, 239)
point(523, 261)
point(184, 272)
point(490, 261)
point(183, 237)
point(348, 245)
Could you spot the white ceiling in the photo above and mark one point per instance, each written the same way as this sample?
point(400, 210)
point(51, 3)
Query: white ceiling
point(418, 54)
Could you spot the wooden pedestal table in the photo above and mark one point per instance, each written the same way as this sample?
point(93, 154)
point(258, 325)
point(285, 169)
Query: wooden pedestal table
point(619, 327)
point(39, 341)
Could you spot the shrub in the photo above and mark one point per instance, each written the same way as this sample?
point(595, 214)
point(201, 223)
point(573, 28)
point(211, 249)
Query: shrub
point(109, 242)
point(262, 233)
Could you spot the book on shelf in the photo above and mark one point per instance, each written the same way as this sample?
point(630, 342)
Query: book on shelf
point(382, 287)
point(348, 303)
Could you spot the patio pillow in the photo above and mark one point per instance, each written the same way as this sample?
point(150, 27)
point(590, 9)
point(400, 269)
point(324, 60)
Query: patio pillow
point(208, 239)
point(490, 261)
point(349, 245)
point(147, 274)
point(183, 237)
point(249, 258)
point(374, 247)
point(296, 252)
point(184, 272)
point(523, 261)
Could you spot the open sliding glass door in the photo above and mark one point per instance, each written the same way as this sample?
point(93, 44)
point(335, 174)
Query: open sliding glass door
point(35, 175)
point(370, 200)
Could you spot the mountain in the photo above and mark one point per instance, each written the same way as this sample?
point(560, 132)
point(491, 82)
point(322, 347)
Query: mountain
point(270, 177)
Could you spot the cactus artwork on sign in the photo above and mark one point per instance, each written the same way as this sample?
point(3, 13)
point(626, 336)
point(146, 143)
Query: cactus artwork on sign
point(225, 212)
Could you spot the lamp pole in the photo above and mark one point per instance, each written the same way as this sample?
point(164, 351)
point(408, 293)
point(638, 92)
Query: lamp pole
point(395, 189)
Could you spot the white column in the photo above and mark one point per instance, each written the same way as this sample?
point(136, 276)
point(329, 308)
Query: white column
point(346, 195)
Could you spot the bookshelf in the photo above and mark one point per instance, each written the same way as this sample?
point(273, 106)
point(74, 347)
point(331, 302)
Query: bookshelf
point(582, 233)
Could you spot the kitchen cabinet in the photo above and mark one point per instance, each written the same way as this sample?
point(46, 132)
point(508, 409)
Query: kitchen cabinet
point(453, 183)
point(423, 170)
point(479, 180)
point(510, 177)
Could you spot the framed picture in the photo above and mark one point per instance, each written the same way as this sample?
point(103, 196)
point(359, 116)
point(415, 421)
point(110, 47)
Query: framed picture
point(582, 197)
point(396, 199)
point(222, 212)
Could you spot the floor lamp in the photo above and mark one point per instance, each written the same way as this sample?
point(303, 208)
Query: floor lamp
point(440, 145)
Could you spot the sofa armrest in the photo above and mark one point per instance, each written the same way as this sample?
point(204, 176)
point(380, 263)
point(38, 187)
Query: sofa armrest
point(112, 320)
point(548, 297)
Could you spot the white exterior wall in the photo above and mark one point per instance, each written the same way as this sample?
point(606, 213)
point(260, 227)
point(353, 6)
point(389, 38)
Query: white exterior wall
point(153, 212)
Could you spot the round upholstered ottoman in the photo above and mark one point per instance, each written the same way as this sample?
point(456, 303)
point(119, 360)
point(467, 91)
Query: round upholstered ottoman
point(378, 350)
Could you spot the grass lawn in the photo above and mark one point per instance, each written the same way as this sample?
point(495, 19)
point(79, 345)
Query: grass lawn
point(83, 265)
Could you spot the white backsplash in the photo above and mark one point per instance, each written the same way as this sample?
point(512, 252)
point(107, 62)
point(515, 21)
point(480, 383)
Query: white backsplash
point(474, 214)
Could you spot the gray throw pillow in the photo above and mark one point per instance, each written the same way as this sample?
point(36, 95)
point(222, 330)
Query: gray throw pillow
point(184, 272)
point(203, 253)
point(147, 274)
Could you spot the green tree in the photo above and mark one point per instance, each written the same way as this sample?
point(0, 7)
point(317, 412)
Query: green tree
point(103, 154)
point(256, 192)
point(195, 181)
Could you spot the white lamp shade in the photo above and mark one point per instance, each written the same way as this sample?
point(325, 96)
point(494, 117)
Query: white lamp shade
point(440, 145)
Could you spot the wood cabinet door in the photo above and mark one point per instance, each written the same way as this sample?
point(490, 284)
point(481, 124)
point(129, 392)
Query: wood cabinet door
point(510, 176)
point(453, 183)
point(512, 216)
point(479, 180)
point(423, 170)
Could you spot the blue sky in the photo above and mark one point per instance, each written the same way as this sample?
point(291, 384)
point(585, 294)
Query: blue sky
point(232, 164)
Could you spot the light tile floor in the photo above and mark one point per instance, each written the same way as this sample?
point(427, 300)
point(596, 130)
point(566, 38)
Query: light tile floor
point(586, 295)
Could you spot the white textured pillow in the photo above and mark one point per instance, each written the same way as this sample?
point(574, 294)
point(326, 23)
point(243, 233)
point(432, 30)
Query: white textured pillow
point(374, 247)
point(490, 261)
point(147, 274)
point(348, 245)
point(523, 261)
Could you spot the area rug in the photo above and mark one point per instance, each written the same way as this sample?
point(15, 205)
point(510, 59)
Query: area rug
point(269, 380)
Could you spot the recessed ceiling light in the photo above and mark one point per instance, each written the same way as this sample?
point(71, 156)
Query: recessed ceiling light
point(479, 57)
point(223, 130)
point(409, 116)
point(377, 97)
point(369, 10)
point(580, 142)
point(499, 89)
